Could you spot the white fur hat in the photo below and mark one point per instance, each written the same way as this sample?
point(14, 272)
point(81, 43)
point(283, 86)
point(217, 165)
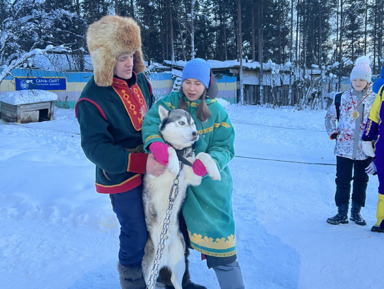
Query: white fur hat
point(110, 37)
point(362, 70)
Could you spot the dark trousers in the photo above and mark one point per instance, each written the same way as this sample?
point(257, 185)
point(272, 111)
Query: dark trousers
point(128, 207)
point(380, 164)
point(345, 168)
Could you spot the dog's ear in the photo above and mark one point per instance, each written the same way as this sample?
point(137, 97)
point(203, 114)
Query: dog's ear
point(163, 112)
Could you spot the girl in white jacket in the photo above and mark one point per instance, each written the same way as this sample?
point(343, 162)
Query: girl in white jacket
point(347, 131)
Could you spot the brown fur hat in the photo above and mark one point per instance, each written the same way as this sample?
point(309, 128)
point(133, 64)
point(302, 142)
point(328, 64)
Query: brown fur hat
point(108, 38)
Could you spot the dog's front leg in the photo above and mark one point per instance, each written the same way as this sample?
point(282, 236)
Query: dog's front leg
point(210, 165)
point(190, 177)
point(173, 161)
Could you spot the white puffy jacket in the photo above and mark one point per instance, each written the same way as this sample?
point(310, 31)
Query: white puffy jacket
point(348, 129)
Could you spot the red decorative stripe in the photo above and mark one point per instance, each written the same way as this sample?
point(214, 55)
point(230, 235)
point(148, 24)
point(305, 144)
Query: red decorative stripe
point(133, 100)
point(94, 103)
point(125, 186)
point(137, 163)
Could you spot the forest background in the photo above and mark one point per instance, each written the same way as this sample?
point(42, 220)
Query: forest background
point(296, 34)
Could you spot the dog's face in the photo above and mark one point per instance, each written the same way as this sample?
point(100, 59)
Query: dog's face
point(177, 127)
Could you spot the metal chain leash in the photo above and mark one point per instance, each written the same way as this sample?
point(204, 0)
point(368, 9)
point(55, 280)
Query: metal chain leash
point(163, 235)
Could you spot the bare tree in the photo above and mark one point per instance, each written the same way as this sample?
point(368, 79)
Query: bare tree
point(240, 43)
point(290, 58)
point(193, 52)
point(171, 31)
point(261, 48)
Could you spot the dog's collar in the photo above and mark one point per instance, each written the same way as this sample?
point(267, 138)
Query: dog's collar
point(181, 154)
point(182, 157)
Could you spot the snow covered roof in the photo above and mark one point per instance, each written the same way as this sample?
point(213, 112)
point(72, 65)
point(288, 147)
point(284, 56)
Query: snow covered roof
point(216, 64)
point(27, 96)
point(227, 64)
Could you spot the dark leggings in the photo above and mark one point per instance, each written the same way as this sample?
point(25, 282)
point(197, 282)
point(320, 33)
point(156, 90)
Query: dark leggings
point(344, 170)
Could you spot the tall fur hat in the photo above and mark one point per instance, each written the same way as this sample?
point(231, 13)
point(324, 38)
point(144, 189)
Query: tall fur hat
point(110, 37)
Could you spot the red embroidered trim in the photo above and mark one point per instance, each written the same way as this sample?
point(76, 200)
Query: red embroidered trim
point(94, 103)
point(125, 186)
point(133, 100)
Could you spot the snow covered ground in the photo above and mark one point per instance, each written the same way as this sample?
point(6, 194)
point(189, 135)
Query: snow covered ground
point(57, 232)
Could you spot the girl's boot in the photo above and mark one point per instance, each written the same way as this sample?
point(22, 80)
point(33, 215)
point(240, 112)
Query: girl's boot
point(355, 214)
point(341, 217)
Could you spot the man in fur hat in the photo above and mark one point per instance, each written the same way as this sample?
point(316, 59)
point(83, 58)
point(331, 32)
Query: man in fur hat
point(110, 112)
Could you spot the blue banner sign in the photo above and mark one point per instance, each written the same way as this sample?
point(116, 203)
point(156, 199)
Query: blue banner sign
point(44, 83)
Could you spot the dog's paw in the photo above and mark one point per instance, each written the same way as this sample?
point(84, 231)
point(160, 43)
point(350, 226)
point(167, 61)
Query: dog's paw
point(210, 165)
point(173, 161)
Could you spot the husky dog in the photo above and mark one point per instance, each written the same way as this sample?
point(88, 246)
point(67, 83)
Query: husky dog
point(178, 129)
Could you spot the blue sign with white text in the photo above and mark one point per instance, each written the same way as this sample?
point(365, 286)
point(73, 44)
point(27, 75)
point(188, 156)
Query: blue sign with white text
point(43, 83)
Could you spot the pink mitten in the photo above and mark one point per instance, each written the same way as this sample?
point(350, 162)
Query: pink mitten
point(160, 152)
point(199, 168)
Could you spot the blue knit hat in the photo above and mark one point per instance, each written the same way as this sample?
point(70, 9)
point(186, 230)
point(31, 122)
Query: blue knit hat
point(379, 82)
point(199, 69)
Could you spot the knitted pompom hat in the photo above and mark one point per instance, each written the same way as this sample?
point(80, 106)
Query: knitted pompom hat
point(362, 70)
point(108, 38)
point(379, 82)
point(199, 69)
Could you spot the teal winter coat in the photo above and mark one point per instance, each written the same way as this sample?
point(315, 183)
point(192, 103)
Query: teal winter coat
point(208, 207)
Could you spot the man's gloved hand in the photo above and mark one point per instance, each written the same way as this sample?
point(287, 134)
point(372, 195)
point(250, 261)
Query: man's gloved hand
point(371, 169)
point(160, 152)
point(367, 147)
point(199, 168)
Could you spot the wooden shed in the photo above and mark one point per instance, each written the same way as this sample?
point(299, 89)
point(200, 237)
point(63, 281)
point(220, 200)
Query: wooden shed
point(25, 106)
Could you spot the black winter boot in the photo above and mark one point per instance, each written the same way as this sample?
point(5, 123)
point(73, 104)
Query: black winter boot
point(341, 217)
point(131, 277)
point(165, 277)
point(377, 229)
point(355, 214)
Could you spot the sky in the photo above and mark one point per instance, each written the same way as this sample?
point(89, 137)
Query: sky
point(57, 232)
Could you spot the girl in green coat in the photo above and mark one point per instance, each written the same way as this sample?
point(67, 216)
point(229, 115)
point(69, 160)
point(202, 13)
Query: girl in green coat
point(207, 209)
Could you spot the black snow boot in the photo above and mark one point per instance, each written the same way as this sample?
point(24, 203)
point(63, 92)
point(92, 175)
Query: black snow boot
point(377, 229)
point(355, 214)
point(341, 217)
point(131, 277)
point(165, 277)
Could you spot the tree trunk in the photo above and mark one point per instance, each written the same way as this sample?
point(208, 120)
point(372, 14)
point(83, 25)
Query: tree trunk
point(260, 49)
point(171, 31)
point(340, 44)
point(192, 29)
point(132, 10)
point(253, 31)
point(240, 51)
point(290, 58)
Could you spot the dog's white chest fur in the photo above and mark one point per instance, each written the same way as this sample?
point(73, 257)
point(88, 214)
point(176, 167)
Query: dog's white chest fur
point(178, 129)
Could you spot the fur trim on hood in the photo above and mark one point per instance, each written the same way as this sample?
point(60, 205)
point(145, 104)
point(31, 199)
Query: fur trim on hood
point(108, 38)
